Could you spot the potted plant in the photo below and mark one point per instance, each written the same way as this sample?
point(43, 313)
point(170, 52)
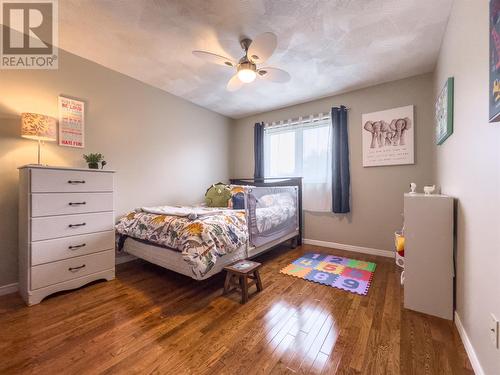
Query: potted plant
point(93, 160)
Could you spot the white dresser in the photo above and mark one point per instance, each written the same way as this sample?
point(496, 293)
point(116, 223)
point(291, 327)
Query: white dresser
point(66, 229)
point(428, 283)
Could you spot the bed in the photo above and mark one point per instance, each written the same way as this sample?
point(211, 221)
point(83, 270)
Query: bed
point(202, 245)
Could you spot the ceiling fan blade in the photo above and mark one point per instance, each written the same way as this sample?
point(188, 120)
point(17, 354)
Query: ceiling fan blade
point(214, 58)
point(262, 47)
point(234, 84)
point(273, 74)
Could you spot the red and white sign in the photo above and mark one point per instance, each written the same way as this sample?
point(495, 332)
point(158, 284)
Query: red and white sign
point(71, 122)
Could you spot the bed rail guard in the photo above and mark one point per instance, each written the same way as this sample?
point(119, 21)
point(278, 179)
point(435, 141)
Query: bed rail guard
point(276, 181)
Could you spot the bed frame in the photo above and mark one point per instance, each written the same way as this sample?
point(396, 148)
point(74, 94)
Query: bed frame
point(172, 259)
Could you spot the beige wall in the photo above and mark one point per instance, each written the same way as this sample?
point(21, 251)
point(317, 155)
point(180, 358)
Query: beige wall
point(468, 168)
point(377, 192)
point(164, 149)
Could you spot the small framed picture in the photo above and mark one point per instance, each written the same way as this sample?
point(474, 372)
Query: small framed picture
point(444, 112)
point(71, 122)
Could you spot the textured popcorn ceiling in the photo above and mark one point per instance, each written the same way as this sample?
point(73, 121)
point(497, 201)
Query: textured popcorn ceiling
point(327, 46)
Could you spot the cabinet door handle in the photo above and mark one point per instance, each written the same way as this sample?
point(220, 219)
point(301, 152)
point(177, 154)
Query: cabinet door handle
point(76, 181)
point(77, 225)
point(76, 268)
point(76, 246)
point(76, 203)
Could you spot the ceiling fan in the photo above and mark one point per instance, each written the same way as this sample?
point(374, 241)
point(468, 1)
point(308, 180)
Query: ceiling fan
point(257, 51)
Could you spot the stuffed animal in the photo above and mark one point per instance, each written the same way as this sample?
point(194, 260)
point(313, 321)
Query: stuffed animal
point(218, 195)
point(237, 201)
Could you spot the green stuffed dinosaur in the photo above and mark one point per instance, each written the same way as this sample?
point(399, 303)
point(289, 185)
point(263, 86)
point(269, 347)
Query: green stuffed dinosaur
point(218, 195)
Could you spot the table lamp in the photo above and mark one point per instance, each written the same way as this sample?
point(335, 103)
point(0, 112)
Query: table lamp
point(38, 127)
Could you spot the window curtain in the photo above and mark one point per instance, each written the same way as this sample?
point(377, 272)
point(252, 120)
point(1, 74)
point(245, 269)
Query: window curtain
point(341, 179)
point(303, 150)
point(316, 169)
point(258, 149)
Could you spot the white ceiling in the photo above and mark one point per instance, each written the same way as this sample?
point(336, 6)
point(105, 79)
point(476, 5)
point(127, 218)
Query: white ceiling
point(328, 46)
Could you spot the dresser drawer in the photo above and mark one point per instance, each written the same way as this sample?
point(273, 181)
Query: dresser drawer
point(68, 181)
point(69, 247)
point(45, 228)
point(64, 270)
point(70, 203)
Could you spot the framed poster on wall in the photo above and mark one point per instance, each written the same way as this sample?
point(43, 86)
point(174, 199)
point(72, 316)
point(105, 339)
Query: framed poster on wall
point(494, 61)
point(444, 112)
point(71, 122)
point(388, 137)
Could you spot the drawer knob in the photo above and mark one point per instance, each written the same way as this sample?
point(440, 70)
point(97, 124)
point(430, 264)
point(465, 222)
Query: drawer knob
point(76, 268)
point(76, 203)
point(77, 246)
point(76, 181)
point(77, 225)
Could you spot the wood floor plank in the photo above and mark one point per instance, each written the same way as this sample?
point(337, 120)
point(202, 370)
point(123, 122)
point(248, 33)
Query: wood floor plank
point(151, 320)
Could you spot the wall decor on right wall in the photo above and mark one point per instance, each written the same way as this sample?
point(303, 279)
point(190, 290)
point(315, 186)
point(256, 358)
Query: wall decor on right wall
point(494, 61)
point(388, 137)
point(444, 112)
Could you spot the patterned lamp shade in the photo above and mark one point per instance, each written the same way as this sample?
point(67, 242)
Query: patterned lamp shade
point(38, 127)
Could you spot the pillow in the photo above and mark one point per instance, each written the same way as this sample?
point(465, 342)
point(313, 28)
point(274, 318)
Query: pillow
point(218, 195)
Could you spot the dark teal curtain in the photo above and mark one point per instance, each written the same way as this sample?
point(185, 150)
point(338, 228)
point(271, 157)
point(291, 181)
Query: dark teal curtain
point(341, 179)
point(258, 149)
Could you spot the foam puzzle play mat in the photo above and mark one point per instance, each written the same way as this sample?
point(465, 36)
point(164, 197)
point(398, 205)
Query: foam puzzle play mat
point(351, 275)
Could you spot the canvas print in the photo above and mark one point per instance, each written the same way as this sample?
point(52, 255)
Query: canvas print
point(444, 112)
point(388, 137)
point(494, 61)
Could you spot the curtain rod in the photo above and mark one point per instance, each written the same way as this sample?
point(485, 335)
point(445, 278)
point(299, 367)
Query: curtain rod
point(302, 119)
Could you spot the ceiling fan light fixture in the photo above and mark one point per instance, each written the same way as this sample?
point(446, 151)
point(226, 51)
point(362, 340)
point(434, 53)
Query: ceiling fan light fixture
point(256, 52)
point(246, 71)
point(246, 75)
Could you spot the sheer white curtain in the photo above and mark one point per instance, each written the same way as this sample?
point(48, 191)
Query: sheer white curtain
point(302, 149)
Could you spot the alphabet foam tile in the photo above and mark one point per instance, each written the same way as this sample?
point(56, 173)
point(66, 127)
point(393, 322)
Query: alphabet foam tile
point(294, 270)
point(314, 256)
point(321, 277)
point(351, 285)
point(330, 267)
point(338, 260)
point(354, 273)
point(305, 262)
point(369, 266)
point(343, 273)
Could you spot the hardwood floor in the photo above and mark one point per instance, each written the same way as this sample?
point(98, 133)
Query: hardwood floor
point(150, 320)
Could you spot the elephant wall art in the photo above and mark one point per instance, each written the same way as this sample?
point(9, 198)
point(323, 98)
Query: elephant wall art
point(388, 137)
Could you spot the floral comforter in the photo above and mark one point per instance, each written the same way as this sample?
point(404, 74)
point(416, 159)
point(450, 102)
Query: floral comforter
point(201, 240)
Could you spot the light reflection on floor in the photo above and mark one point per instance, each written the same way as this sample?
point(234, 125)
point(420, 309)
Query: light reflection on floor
point(305, 331)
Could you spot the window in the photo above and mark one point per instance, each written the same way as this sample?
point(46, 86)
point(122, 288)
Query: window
point(302, 150)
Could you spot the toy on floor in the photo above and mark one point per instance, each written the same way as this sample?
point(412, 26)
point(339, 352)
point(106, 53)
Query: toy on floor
point(399, 242)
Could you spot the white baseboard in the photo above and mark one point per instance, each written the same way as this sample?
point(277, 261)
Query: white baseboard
point(357, 249)
point(9, 288)
point(124, 258)
point(468, 346)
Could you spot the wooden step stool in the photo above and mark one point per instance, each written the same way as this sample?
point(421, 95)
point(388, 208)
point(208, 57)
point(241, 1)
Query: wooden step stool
point(237, 277)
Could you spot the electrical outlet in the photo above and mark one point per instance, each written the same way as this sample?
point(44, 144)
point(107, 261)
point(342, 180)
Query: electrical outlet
point(494, 330)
